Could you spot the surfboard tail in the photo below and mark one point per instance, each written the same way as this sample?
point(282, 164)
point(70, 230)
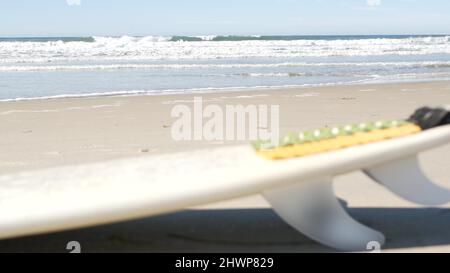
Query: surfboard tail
point(311, 206)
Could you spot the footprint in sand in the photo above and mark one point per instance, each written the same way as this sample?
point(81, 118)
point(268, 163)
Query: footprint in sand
point(148, 150)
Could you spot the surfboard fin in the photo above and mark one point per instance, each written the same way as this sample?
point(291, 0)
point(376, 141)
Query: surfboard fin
point(313, 209)
point(406, 179)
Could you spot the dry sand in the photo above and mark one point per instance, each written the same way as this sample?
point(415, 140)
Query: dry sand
point(46, 133)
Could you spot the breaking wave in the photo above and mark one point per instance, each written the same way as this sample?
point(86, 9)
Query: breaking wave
point(34, 50)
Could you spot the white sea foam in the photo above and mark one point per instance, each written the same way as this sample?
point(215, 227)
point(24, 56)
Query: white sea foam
point(36, 68)
point(154, 48)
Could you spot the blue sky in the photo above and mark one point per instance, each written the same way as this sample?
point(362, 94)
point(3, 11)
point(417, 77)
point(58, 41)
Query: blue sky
point(204, 17)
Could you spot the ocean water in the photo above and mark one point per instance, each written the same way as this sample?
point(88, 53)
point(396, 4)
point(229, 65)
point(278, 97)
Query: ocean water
point(85, 66)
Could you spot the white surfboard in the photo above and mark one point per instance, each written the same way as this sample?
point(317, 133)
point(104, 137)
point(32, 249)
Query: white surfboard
point(300, 190)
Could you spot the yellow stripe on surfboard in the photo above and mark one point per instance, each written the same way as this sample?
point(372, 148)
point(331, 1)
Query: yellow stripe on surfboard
point(336, 143)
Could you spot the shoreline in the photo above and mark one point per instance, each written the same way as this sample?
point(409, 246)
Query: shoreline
point(213, 90)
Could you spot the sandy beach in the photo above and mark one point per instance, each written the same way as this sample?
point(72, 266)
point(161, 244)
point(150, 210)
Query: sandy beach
point(37, 134)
